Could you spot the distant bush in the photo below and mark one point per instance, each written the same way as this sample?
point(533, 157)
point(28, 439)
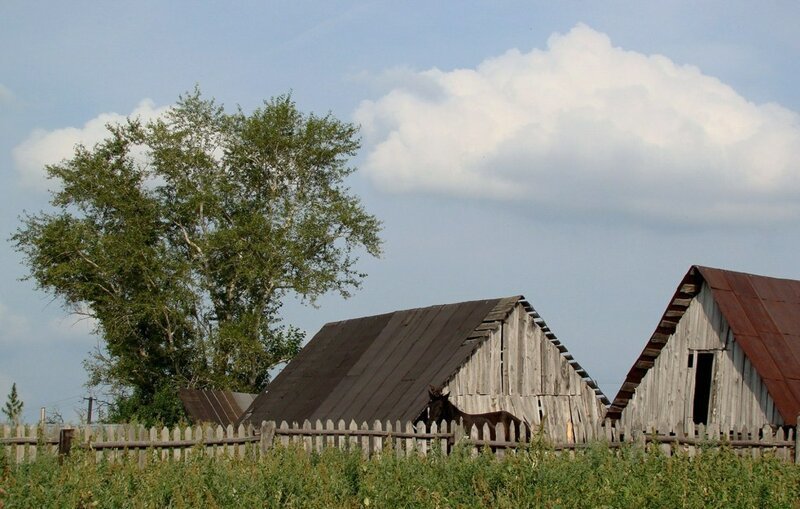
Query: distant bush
point(597, 477)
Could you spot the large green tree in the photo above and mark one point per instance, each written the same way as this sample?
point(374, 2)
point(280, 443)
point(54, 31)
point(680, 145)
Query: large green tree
point(182, 237)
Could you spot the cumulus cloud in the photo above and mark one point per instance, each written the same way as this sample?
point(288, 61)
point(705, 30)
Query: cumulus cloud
point(588, 129)
point(44, 147)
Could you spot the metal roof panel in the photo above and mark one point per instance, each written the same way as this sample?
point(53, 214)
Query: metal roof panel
point(759, 356)
point(783, 398)
point(733, 312)
point(783, 356)
point(785, 315)
point(714, 277)
point(757, 314)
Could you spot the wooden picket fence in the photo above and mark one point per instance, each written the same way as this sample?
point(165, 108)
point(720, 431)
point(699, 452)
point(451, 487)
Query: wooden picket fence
point(117, 442)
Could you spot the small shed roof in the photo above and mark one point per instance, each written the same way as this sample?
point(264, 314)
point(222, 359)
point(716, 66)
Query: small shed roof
point(220, 407)
point(379, 367)
point(764, 316)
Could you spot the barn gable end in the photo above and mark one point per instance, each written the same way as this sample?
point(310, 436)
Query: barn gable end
point(727, 351)
point(380, 367)
point(524, 369)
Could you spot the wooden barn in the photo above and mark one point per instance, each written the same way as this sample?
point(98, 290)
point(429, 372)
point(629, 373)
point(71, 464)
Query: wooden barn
point(491, 355)
point(216, 407)
point(726, 352)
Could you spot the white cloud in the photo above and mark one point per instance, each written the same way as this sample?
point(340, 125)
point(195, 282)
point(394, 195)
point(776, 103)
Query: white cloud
point(50, 147)
point(585, 128)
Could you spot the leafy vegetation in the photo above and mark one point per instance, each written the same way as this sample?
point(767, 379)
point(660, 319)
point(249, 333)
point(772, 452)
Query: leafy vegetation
point(181, 238)
point(597, 477)
point(13, 407)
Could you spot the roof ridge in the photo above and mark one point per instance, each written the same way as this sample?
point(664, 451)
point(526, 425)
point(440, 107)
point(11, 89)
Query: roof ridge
point(702, 268)
point(419, 308)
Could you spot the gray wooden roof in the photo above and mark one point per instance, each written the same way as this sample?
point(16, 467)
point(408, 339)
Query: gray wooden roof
point(219, 407)
point(378, 367)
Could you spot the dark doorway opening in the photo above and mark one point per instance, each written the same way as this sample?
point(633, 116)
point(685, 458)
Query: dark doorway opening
point(702, 386)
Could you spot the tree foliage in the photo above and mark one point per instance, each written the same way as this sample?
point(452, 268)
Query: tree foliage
point(13, 407)
point(181, 237)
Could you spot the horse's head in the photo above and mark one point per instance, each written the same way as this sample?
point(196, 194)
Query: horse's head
point(439, 406)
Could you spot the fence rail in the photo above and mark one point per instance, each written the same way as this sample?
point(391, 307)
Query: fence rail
point(115, 442)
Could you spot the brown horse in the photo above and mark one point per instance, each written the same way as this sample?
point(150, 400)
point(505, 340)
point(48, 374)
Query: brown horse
point(440, 408)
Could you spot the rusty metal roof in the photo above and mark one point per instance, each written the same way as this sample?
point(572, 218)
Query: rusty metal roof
point(379, 367)
point(219, 407)
point(764, 316)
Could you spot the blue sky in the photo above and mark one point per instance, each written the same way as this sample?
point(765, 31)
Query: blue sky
point(582, 154)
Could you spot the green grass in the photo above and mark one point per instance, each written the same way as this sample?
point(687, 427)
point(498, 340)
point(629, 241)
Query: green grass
point(631, 477)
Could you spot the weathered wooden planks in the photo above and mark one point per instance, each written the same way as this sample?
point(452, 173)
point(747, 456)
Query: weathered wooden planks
point(666, 393)
point(121, 442)
point(537, 382)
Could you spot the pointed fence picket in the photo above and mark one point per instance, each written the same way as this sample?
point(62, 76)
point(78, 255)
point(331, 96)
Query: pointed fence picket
point(377, 439)
point(398, 441)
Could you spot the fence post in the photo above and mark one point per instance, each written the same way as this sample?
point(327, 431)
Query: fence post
point(65, 436)
point(797, 441)
point(267, 435)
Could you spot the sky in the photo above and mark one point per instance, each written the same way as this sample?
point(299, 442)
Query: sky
point(582, 154)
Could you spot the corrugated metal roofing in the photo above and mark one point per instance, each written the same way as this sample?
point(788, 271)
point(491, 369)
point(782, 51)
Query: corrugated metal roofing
point(220, 407)
point(379, 367)
point(764, 316)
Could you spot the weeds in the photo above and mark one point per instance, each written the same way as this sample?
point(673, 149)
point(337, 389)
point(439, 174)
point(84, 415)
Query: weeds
point(288, 477)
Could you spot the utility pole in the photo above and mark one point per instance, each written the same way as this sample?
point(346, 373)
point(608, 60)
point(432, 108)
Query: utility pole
point(89, 412)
